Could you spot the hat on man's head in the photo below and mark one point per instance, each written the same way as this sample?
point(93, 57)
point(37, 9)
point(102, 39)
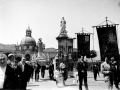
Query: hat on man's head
point(10, 55)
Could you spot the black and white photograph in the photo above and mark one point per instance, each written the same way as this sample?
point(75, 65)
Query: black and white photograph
point(59, 45)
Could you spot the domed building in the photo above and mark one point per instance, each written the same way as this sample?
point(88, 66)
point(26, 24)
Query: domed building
point(27, 45)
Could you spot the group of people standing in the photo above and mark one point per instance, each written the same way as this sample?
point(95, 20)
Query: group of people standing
point(14, 74)
point(41, 68)
point(110, 70)
point(82, 72)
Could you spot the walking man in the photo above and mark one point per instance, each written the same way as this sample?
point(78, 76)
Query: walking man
point(43, 67)
point(51, 70)
point(114, 73)
point(95, 71)
point(25, 73)
point(82, 72)
point(106, 71)
point(37, 70)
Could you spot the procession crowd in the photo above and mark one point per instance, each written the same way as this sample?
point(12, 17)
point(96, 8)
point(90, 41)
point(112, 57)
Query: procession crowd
point(15, 74)
point(109, 68)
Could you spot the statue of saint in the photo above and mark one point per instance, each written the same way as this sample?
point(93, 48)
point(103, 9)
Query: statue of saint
point(63, 24)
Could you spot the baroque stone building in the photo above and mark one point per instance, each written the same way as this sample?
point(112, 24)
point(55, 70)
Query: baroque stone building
point(27, 47)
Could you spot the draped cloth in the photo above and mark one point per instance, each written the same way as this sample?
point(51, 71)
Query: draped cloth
point(107, 41)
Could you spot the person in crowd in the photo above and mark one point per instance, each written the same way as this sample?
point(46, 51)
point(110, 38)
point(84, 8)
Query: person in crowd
point(63, 69)
point(114, 73)
point(82, 72)
point(32, 70)
point(30, 67)
point(25, 73)
point(51, 70)
point(18, 72)
point(106, 71)
point(43, 71)
point(13, 62)
point(95, 71)
point(7, 75)
point(37, 70)
point(11, 58)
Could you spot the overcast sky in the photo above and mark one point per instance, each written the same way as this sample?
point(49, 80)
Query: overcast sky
point(44, 16)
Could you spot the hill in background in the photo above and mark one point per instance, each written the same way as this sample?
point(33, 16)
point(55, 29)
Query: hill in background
point(7, 47)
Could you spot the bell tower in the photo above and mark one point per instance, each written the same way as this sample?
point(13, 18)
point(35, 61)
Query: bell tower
point(28, 32)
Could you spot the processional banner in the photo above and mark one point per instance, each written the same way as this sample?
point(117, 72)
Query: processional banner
point(107, 41)
point(83, 44)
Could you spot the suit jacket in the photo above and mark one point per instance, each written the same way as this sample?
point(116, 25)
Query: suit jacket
point(10, 80)
point(82, 67)
point(26, 73)
point(51, 68)
point(18, 75)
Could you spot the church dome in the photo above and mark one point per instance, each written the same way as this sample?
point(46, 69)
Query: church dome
point(28, 41)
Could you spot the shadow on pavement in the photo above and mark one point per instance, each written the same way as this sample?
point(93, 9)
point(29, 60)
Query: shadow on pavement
point(32, 85)
point(44, 80)
point(89, 77)
point(71, 85)
point(100, 80)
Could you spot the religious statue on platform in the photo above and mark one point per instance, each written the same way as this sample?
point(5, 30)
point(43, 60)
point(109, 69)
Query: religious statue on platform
point(63, 25)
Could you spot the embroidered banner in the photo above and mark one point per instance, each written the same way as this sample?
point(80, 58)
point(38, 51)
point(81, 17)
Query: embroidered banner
point(83, 44)
point(107, 41)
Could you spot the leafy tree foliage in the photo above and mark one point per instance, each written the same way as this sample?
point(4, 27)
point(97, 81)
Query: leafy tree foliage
point(91, 54)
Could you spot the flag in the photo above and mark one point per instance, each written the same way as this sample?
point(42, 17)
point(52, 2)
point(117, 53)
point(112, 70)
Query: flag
point(107, 41)
point(83, 44)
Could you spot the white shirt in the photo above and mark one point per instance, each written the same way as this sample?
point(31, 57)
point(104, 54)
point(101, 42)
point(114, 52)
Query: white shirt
point(2, 76)
point(105, 68)
point(23, 67)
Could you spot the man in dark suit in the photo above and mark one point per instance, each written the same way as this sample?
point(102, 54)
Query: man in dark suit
point(18, 73)
point(51, 70)
point(114, 73)
point(43, 67)
point(25, 73)
point(82, 72)
point(13, 63)
point(37, 70)
point(7, 74)
point(95, 71)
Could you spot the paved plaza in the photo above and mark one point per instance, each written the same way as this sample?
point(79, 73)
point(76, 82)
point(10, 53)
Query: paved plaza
point(46, 84)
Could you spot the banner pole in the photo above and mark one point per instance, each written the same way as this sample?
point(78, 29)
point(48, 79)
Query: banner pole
point(93, 43)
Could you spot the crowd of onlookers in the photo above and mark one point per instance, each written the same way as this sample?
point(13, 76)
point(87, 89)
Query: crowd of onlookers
point(16, 72)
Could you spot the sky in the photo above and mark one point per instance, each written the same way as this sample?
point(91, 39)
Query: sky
point(44, 16)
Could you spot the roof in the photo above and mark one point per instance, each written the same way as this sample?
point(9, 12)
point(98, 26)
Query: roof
point(50, 50)
point(27, 41)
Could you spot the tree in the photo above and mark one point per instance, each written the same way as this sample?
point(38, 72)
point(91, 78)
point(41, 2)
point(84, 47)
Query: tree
point(91, 54)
